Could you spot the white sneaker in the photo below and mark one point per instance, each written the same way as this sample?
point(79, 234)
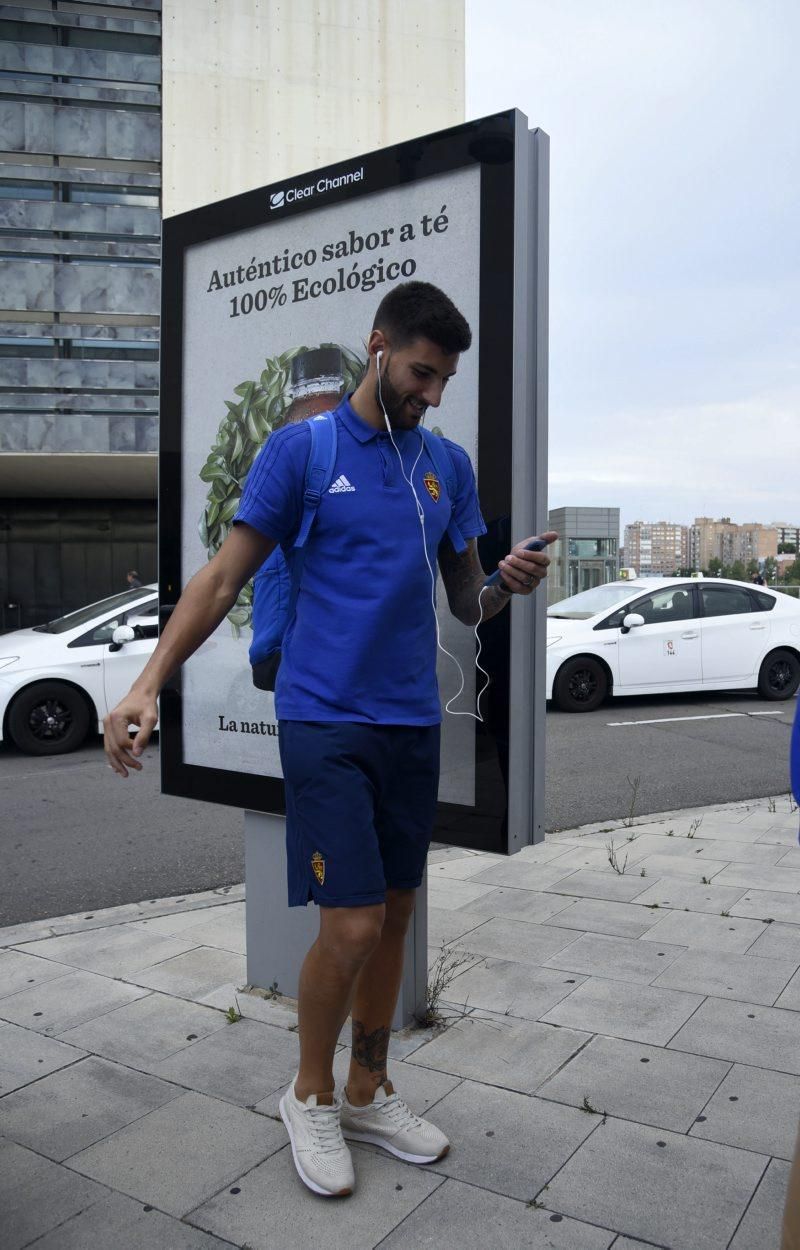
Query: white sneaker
point(320, 1155)
point(389, 1123)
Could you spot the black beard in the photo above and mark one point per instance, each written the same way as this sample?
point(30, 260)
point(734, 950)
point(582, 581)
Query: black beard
point(387, 397)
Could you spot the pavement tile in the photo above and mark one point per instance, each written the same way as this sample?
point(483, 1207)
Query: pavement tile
point(273, 1210)
point(510, 988)
point(523, 875)
point(727, 831)
point(223, 927)
point(635, 1082)
point(768, 905)
point(682, 895)
point(69, 1110)
point(761, 1227)
point(242, 1063)
point(178, 1156)
point(685, 1194)
point(56, 1006)
point(779, 835)
point(531, 906)
point(790, 998)
point(37, 1195)
point(460, 869)
point(176, 923)
point(678, 845)
point(194, 974)
point(639, 1013)
point(755, 1110)
point(114, 951)
point(18, 971)
point(253, 1003)
point(779, 941)
point(541, 853)
point(26, 1056)
point(450, 895)
point(147, 1030)
point(120, 1223)
point(724, 975)
point(613, 886)
point(597, 915)
point(518, 940)
point(476, 1219)
point(619, 959)
point(757, 853)
point(499, 1050)
point(765, 1037)
point(507, 1142)
point(594, 858)
point(446, 926)
point(732, 934)
point(687, 867)
point(753, 877)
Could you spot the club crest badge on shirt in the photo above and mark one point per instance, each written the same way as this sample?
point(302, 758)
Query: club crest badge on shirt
point(318, 867)
point(432, 486)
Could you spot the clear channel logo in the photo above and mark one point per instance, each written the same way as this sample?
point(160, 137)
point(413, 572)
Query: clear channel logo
point(279, 199)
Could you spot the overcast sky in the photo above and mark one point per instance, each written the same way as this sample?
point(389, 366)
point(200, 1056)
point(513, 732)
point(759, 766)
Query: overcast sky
point(674, 265)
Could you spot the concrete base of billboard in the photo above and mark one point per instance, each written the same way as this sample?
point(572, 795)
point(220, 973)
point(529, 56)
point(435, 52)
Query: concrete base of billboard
point(278, 936)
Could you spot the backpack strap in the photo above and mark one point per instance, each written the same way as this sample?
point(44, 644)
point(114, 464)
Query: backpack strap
point(446, 470)
point(319, 471)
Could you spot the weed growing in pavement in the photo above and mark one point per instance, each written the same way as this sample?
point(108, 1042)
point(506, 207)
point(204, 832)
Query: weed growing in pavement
point(611, 852)
point(724, 913)
point(694, 826)
point(233, 1014)
point(445, 968)
point(670, 833)
point(631, 837)
point(792, 804)
point(643, 873)
point(704, 881)
point(771, 805)
point(652, 906)
point(590, 1110)
point(273, 991)
point(634, 785)
point(535, 1205)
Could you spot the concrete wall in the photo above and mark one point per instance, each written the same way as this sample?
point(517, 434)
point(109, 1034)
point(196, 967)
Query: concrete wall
point(259, 90)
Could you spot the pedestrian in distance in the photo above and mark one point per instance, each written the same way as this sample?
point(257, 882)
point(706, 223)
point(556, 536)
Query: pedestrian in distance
point(357, 704)
point(132, 578)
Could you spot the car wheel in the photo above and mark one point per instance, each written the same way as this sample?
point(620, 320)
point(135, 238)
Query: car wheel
point(48, 718)
point(779, 675)
point(581, 685)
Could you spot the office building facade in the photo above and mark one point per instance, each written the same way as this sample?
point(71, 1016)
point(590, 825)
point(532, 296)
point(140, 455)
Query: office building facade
point(586, 553)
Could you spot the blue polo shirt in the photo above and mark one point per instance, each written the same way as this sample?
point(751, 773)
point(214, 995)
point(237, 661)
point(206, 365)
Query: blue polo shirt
point(362, 645)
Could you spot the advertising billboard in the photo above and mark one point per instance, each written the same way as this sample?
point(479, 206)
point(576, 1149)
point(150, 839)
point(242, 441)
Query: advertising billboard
point(268, 299)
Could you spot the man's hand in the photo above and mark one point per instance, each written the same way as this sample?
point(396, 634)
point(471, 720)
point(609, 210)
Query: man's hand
point(135, 709)
point(522, 570)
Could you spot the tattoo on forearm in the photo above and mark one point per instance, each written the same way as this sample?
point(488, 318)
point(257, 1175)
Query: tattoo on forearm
point(370, 1050)
point(463, 579)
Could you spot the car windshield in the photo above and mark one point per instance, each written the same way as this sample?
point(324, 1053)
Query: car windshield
point(589, 602)
point(73, 620)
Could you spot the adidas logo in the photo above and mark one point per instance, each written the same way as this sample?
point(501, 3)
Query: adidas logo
point(340, 486)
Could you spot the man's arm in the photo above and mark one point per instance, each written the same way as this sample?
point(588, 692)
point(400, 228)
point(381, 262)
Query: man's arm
point(463, 576)
point(205, 602)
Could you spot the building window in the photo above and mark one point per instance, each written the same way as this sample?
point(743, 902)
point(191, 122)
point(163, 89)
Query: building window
point(87, 193)
point(24, 190)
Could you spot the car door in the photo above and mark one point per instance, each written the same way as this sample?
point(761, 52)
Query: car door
point(735, 632)
point(666, 650)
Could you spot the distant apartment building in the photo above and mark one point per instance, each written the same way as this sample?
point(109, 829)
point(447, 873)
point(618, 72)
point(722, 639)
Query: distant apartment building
point(728, 542)
point(787, 534)
point(656, 548)
point(586, 553)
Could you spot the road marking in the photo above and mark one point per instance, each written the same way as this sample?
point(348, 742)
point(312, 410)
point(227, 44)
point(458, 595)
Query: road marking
point(668, 720)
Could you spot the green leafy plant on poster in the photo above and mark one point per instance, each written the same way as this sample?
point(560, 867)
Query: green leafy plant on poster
point(261, 408)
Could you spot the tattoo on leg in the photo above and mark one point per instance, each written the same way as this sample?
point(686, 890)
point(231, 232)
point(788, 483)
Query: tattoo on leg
point(370, 1050)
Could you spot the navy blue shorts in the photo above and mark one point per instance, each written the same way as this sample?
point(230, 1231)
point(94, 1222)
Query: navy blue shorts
point(360, 808)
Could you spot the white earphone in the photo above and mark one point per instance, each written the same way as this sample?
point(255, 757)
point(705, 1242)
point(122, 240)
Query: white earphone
point(421, 517)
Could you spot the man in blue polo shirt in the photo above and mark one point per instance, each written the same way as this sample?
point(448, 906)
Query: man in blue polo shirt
point(357, 703)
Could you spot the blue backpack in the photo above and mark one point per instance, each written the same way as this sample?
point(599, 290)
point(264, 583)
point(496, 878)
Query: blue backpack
point(277, 583)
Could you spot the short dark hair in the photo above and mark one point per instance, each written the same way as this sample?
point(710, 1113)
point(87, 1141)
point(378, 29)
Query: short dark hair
point(415, 310)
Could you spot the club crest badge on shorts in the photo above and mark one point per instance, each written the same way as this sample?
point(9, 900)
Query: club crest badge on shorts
point(432, 486)
point(318, 867)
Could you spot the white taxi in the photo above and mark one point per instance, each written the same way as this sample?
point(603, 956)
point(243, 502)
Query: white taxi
point(58, 680)
point(659, 635)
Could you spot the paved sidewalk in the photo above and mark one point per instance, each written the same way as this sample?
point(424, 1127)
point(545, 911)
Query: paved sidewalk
point(620, 1067)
